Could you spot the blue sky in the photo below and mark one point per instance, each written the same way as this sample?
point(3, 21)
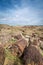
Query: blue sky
point(21, 12)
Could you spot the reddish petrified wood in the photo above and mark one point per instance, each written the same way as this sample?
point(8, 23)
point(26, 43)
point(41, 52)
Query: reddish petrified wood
point(2, 55)
point(32, 54)
point(19, 36)
point(18, 47)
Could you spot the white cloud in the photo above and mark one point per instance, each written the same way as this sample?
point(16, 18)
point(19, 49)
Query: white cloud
point(22, 16)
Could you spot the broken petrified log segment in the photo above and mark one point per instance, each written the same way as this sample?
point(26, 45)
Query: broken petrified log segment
point(18, 47)
point(19, 36)
point(32, 54)
point(41, 38)
point(34, 41)
point(41, 45)
point(2, 55)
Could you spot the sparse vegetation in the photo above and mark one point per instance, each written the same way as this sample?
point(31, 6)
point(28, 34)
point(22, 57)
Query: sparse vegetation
point(14, 59)
point(31, 55)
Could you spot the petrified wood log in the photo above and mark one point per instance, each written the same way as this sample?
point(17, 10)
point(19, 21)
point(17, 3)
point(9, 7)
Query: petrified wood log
point(2, 55)
point(18, 47)
point(19, 36)
point(32, 54)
